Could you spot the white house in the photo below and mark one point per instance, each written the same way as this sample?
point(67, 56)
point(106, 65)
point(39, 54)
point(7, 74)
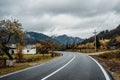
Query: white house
point(29, 49)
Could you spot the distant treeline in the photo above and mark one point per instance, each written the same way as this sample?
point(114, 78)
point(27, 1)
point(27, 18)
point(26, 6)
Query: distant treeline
point(105, 35)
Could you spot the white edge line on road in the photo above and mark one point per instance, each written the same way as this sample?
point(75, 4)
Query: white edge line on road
point(58, 69)
point(21, 70)
point(103, 70)
point(25, 69)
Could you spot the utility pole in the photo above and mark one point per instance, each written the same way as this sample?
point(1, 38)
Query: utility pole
point(95, 39)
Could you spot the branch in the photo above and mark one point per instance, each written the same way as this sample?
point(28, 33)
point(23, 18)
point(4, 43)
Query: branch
point(9, 37)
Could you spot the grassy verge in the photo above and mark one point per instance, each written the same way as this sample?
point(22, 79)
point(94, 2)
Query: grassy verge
point(19, 66)
point(12, 69)
point(85, 50)
point(111, 61)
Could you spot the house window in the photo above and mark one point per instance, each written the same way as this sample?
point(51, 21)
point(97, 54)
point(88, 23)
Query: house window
point(27, 50)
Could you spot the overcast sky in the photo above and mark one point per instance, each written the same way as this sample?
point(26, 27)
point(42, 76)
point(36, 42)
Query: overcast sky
point(77, 18)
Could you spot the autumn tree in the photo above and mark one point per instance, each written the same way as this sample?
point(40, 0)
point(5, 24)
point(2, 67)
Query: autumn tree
point(10, 30)
point(40, 48)
point(51, 45)
point(47, 45)
point(104, 43)
point(115, 42)
point(19, 54)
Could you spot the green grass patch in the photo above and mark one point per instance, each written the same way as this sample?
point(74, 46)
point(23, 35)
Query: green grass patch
point(28, 61)
point(4, 57)
point(35, 55)
point(20, 66)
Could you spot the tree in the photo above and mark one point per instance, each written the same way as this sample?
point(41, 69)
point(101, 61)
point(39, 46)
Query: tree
point(115, 42)
point(10, 30)
point(104, 43)
point(51, 45)
point(97, 42)
point(47, 45)
point(19, 54)
point(40, 48)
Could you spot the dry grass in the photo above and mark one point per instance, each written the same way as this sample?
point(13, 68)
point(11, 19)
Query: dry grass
point(35, 57)
point(12, 69)
point(111, 55)
point(19, 66)
point(111, 61)
point(87, 50)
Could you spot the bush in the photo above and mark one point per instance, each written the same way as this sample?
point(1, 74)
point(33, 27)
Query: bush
point(3, 57)
point(35, 57)
point(110, 55)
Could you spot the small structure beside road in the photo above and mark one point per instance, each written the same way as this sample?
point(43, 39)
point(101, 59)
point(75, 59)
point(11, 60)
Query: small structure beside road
point(28, 49)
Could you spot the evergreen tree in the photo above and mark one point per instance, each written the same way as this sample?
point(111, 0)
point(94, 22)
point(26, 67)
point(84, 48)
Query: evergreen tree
point(97, 42)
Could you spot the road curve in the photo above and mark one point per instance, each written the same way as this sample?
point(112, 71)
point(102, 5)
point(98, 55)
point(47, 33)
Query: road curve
point(70, 66)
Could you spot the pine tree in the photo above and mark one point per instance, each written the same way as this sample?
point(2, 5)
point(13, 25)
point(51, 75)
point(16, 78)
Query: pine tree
point(97, 42)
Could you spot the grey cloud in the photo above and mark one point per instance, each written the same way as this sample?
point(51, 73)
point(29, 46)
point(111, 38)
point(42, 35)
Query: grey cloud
point(73, 7)
point(81, 14)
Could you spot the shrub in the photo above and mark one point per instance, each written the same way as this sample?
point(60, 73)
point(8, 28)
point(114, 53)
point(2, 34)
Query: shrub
point(3, 57)
point(110, 55)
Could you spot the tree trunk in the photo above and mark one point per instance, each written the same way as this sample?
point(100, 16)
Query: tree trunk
point(8, 54)
point(6, 51)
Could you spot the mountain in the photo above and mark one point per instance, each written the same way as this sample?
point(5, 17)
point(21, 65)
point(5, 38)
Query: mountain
point(29, 40)
point(38, 36)
point(34, 37)
point(106, 34)
point(64, 39)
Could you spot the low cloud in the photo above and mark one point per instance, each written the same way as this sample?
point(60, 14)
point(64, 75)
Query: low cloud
point(72, 17)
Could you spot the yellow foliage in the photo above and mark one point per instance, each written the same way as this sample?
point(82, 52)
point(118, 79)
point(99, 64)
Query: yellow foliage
point(87, 45)
point(118, 38)
point(104, 43)
point(39, 46)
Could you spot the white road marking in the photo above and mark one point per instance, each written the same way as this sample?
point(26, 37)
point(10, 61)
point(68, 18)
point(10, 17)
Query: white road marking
point(22, 70)
point(103, 70)
point(27, 68)
point(59, 69)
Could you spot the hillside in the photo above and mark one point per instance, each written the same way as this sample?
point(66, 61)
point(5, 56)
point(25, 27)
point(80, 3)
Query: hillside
point(38, 36)
point(64, 39)
point(34, 37)
point(105, 34)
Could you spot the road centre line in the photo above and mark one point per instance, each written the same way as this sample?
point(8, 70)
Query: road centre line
point(59, 68)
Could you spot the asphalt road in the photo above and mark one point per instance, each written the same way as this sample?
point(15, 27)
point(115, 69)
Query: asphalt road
point(70, 66)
